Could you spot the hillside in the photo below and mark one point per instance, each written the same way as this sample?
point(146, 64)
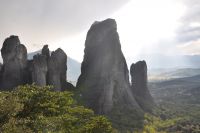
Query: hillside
point(179, 103)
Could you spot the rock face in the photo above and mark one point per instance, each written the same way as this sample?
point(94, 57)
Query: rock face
point(57, 69)
point(43, 69)
point(49, 69)
point(1, 66)
point(45, 51)
point(39, 67)
point(39, 70)
point(139, 86)
point(14, 56)
point(0, 72)
point(104, 79)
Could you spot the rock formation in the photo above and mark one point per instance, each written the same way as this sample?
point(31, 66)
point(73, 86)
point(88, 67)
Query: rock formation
point(139, 86)
point(0, 72)
point(57, 69)
point(1, 66)
point(43, 69)
point(45, 51)
point(104, 80)
point(38, 67)
point(39, 70)
point(14, 56)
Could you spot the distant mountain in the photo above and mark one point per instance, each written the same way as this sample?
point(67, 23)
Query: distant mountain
point(167, 74)
point(73, 67)
point(74, 70)
point(180, 90)
point(160, 67)
point(170, 61)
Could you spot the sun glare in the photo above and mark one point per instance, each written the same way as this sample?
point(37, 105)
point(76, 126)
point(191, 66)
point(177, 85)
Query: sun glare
point(142, 23)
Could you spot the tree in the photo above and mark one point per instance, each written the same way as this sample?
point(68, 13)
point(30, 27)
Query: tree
point(31, 108)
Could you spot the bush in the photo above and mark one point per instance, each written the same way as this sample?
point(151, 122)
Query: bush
point(31, 109)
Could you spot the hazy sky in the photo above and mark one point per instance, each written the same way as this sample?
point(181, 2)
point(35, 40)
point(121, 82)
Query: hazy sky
point(146, 27)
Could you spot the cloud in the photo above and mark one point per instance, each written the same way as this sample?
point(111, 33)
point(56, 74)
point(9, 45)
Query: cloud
point(188, 34)
point(44, 21)
point(145, 27)
point(190, 28)
point(191, 48)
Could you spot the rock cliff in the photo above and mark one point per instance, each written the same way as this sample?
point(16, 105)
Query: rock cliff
point(1, 66)
point(57, 69)
point(43, 69)
point(139, 87)
point(39, 70)
point(14, 56)
point(104, 80)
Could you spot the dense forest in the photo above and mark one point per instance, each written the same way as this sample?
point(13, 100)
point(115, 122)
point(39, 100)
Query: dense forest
point(31, 108)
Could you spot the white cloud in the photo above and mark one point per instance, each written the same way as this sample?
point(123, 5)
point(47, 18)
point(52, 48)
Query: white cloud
point(194, 24)
point(143, 27)
point(143, 24)
point(38, 22)
point(190, 48)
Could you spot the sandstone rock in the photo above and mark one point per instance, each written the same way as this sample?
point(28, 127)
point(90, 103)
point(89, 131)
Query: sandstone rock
point(139, 86)
point(57, 69)
point(1, 65)
point(39, 70)
point(45, 51)
point(68, 87)
point(43, 69)
point(104, 80)
point(14, 57)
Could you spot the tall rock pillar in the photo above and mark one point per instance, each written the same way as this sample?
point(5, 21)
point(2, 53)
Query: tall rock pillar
point(139, 86)
point(104, 80)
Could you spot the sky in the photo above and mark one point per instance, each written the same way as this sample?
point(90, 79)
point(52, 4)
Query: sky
point(145, 27)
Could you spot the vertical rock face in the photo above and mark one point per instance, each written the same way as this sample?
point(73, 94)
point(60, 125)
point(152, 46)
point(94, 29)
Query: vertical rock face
point(50, 69)
point(43, 69)
point(39, 67)
point(104, 79)
point(57, 69)
point(1, 66)
point(39, 70)
point(45, 51)
point(14, 57)
point(139, 85)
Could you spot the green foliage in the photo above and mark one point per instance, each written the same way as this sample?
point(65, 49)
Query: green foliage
point(126, 119)
point(39, 109)
point(172, 119)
